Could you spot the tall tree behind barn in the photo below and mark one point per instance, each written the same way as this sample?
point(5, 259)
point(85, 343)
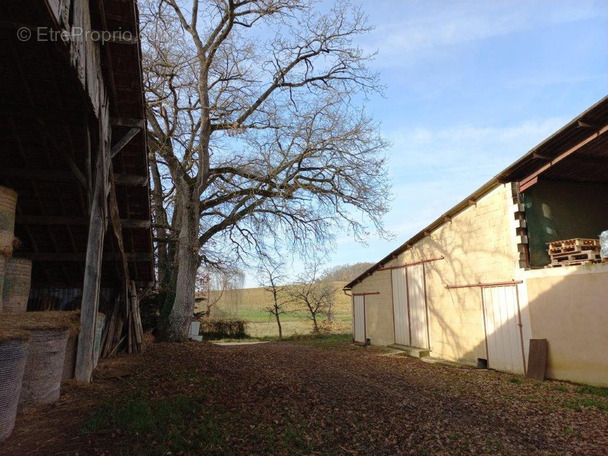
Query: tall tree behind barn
point(258, 132)
point(72, 144)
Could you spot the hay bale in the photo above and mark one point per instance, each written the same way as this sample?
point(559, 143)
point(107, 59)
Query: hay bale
point(8, 204)
point(26, 321)
point(54, 320)
point(2, 270)
point(44, 366)
point(17, 280)
point(13, 355)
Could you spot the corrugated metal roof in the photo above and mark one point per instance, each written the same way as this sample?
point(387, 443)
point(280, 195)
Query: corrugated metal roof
point(589, 165)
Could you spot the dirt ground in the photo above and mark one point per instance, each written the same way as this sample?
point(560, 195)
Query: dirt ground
point(309, 398)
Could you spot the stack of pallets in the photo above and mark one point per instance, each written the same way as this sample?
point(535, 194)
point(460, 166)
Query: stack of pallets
point(572, 252)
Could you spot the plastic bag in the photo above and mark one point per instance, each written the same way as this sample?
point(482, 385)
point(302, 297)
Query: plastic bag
point(604, 244)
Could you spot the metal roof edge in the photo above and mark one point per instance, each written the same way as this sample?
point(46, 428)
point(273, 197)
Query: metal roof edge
point(502, 177)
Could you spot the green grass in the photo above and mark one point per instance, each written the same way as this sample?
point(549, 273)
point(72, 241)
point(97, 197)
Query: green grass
point(324, 341)
point(586, 402)
point(592, 396)
point(138, 414)
point(162, 426)
point(593, 390)
point(251, 305)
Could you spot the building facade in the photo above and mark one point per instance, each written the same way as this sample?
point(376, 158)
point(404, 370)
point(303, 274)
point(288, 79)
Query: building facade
point(475, 286)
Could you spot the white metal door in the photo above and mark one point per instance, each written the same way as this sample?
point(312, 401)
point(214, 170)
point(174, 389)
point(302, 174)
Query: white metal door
point(359, 317)
point(402, 330)
point(417, 305)
point(503, 330)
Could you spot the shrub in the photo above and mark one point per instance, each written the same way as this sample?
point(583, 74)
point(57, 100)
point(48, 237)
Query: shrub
point(149, 310)
point(223, 328)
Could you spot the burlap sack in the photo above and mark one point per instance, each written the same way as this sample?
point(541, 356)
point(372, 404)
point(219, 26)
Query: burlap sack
point(44, 366)
point(13, 355)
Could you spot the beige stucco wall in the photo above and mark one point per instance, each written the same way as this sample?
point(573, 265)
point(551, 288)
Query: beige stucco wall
point(479, 245)
point(378, 308)
point(569, 307)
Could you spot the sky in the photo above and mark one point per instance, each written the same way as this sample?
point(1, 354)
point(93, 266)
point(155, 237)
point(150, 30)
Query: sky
point(470, 86)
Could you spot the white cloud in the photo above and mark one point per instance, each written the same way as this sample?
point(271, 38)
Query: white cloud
point(435, 169)
point(465, 146)
point(433, 26)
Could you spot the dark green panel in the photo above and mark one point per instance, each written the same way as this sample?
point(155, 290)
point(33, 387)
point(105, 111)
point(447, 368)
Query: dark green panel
point(563, 210)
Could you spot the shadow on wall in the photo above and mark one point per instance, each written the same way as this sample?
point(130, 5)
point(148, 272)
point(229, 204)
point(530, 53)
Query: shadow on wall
point(569, 310)
point(472, 254)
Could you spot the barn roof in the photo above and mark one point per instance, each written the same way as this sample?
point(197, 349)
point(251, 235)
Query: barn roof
point(578, 152)
point(45, 143)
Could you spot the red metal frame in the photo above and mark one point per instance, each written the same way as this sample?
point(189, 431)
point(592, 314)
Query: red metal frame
point(426, 307)
point(393, 305)
point(485, 285)
point(528, 181)
point(521, 333)
point(485, 328)
point(407, 300)
point(364, 314)
point(483, 309)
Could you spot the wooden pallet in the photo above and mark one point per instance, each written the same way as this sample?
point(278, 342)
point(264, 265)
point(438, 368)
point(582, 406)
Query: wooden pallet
point(575, 242)
point(572, 249)
point(571, 263)
point(572, 258)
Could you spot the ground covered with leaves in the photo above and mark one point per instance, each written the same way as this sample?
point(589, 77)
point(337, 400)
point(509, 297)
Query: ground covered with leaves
point(309, 397)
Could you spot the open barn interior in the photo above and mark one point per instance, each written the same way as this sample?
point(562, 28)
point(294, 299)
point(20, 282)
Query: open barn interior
point(566, 196)
point(52, 133)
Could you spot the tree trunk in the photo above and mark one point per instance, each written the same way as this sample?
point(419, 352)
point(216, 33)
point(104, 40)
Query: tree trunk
point(160, 219)
point(276, 314)
point(314, 323)
point(183, 305)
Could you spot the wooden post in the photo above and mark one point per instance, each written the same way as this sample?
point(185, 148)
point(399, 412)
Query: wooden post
point(94, 255)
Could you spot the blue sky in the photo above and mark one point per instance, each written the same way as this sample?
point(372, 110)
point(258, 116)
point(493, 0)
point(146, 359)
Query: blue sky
point(470, 87)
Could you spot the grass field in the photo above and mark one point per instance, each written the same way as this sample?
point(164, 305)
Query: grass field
point(250, 304)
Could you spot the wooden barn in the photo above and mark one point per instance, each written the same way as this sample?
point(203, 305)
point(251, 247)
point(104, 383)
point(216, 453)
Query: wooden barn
point(512, 277)
point(73, 147)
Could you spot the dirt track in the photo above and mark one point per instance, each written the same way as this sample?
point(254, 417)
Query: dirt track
point(286, 398)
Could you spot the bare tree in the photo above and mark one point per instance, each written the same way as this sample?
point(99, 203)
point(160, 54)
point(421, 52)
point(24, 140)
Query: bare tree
point(256, 132)
point(315, 294)
point(213, 283)
point(272, 279)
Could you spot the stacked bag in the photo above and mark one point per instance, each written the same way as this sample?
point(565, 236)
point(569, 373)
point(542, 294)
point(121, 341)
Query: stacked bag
point(32, 345)
point(15, 273)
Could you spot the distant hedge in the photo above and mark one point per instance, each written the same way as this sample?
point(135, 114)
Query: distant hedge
point(223, 328)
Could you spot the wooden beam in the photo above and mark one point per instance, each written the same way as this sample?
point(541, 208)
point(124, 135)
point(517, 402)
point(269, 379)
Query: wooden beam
point(81, 256)
point(128, 122)
point(523, 183)
point(131, 180)
point(523, 187)
point(122, 142)
point(73, 220)
point(92, 277)
point(91, 288)
point(52, 175)
point(134, 224)
point(26, 113)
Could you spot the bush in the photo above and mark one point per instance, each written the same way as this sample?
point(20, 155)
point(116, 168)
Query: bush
point(149, 310)
point(223, 328)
